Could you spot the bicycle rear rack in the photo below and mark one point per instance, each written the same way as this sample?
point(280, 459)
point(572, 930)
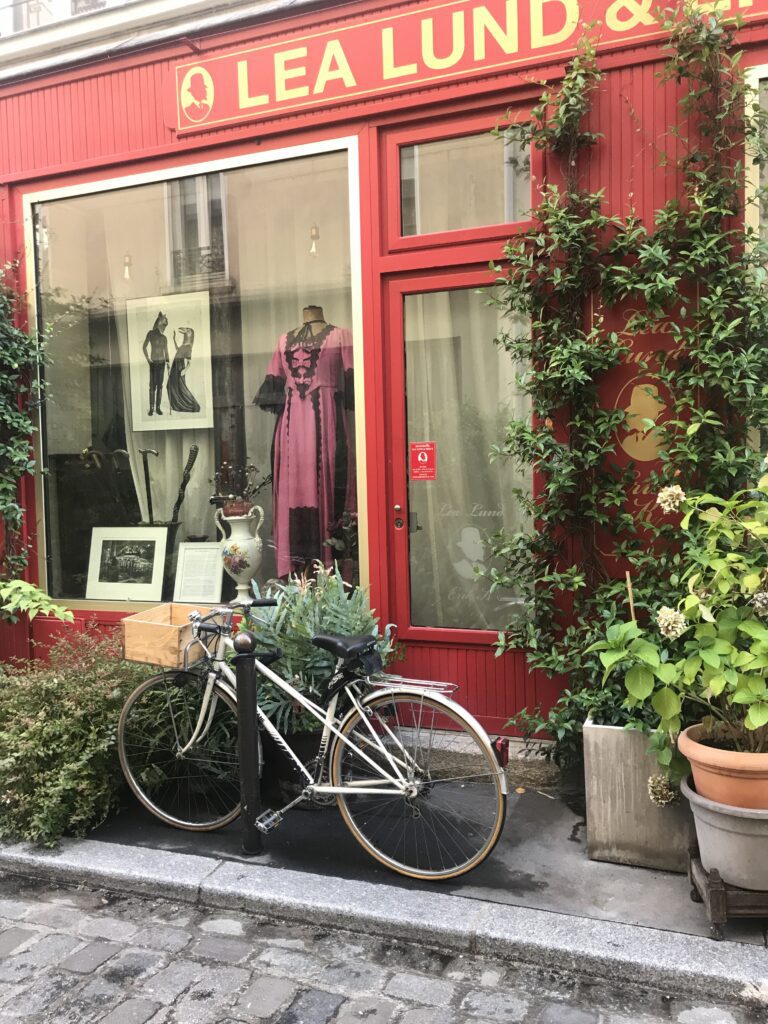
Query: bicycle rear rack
point(430, 685)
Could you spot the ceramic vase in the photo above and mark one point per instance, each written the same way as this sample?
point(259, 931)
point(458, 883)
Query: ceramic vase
point(241, 548)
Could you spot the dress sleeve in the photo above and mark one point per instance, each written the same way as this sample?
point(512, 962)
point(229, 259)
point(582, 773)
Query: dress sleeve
point(271, 394)
point(347, 357)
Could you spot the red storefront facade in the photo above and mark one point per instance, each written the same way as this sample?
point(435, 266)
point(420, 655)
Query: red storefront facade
point(328, 132)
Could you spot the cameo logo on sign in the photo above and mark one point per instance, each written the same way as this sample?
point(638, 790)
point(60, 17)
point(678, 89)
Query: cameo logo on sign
point(196, 94)
point(423, 460)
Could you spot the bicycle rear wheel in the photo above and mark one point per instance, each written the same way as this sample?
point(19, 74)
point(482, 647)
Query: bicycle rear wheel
point(452, 817)
point(199, 789)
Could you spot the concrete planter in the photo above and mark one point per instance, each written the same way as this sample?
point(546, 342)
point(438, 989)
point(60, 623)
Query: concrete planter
point(623, 826)
point(734, 840)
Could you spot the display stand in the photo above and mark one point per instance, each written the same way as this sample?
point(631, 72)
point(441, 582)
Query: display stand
point(722, 901)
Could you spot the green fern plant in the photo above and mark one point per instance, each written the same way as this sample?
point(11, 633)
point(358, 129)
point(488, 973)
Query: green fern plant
point(305, 607)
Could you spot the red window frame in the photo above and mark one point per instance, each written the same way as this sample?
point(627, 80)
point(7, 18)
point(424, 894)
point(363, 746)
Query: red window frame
point(450, 128)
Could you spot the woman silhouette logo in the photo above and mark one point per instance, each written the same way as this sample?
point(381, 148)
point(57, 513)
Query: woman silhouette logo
point(197, 94)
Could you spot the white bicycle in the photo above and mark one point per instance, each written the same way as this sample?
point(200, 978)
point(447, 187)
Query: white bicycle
point(414, 775)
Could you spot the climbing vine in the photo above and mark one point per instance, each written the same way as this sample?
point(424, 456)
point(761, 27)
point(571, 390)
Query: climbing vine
point(695, 281)
point(20, 359)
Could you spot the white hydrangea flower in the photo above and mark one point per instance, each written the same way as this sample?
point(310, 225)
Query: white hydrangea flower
point(671, 498)
point(671, 623)
point(760, 603)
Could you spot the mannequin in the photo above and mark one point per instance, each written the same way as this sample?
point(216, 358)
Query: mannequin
point(309, 388)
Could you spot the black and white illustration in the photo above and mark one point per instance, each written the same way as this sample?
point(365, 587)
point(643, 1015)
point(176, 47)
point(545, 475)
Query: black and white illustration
point(127, 563)
point(169, 342)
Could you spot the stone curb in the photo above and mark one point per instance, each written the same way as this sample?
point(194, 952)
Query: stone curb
point(611, 951)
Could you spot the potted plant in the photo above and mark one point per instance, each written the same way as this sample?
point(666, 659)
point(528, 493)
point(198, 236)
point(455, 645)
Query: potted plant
point(306, 606)
point(236, 485)
point(710, 653)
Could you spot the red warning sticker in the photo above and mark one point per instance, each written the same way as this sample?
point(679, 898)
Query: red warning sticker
point(423, 460)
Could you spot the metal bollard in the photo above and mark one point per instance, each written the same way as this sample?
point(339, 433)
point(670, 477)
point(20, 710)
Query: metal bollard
point(248, 740)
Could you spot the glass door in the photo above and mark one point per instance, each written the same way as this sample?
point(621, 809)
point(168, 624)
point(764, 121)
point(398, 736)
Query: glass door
point(456, 391)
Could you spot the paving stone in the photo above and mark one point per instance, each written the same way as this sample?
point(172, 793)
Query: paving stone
point(474, 972)
point(89, 1002)
point(162, 937)
point(504, 1007)
point(90, 957)
point(214, 992)
point(418, 989)
point(559, 1013)
point(132, 1011)
point(217, 947)
point(53, 916)
point(353, 978)
point(289, 962)
point(104, 927)
point(706, 1015)
point(50, 950)
point(223, 926)
point(311, 1007)
point(15, 970)
point(424, 1015)
point(13, 910)
point(407, 956)
point(168, 984)
point(131, 964)
point(36, 998)
point(12, 938)
point(367, 1011)
point(263, 999)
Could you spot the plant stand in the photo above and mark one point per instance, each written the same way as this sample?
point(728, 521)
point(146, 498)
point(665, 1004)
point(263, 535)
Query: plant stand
point(722, 901)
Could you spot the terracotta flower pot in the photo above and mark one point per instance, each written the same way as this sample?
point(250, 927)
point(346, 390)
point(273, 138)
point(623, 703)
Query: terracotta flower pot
point(726, 776)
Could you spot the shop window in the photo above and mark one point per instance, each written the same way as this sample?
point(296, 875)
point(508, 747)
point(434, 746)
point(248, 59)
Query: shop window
point(460, 393)
point(463, 182)
point(211, 313)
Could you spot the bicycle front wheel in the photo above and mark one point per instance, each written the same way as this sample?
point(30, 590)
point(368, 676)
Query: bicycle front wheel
point(452, 815)
point(191, 787)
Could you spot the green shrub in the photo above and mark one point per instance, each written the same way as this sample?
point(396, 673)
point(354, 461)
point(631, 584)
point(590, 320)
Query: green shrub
point(325, 604)
point(59, 770)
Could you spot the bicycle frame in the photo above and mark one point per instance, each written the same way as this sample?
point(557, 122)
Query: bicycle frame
point(221, 672)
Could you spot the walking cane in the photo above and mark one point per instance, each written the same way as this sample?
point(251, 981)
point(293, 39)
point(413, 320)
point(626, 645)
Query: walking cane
point(184, 481)
point(145, 453)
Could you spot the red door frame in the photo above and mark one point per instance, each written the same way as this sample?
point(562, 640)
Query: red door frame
point(395, 290)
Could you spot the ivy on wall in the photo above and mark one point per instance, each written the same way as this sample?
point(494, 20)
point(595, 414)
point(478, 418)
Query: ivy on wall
point(20, 357)
point(696, 281)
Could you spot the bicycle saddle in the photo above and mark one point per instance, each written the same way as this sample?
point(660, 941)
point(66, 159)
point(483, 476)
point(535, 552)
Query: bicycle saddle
point(344, 646)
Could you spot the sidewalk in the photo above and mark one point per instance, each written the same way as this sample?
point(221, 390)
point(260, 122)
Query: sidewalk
point(538, 900)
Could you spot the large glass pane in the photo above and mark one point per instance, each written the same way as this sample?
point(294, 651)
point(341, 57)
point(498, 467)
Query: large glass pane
point(460, 392)
point(465, 182)
point(206, 319)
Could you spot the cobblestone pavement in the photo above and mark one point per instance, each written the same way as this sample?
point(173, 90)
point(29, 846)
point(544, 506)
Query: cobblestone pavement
point(77, 955)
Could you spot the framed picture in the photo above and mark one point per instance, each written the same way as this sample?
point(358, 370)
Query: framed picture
point(169, 346)
point(127, 563)
point(199, 570)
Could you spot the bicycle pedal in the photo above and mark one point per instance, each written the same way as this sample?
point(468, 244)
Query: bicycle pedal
point(267, 821)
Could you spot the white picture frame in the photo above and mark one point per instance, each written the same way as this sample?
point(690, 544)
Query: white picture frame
point(199, 573)
point(176, 330)
point(126, 563)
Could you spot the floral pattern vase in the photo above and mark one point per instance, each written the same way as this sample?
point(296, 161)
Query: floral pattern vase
point(241, 549)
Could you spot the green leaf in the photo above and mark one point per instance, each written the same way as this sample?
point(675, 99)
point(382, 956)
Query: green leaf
point(639, 682)
point(754, 629)
point(691, 667)
point(666, 702)
point(757, 716)
point(645, 651)
point(667, 672)
point(709, 657)
point(611, 658)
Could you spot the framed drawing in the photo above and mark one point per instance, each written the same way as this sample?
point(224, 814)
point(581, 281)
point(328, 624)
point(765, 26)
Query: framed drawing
point(127, 563)
point(169, 346)
point(199, 572)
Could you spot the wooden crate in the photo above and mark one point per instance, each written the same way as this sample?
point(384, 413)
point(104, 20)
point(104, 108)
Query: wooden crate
point(159, 635)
